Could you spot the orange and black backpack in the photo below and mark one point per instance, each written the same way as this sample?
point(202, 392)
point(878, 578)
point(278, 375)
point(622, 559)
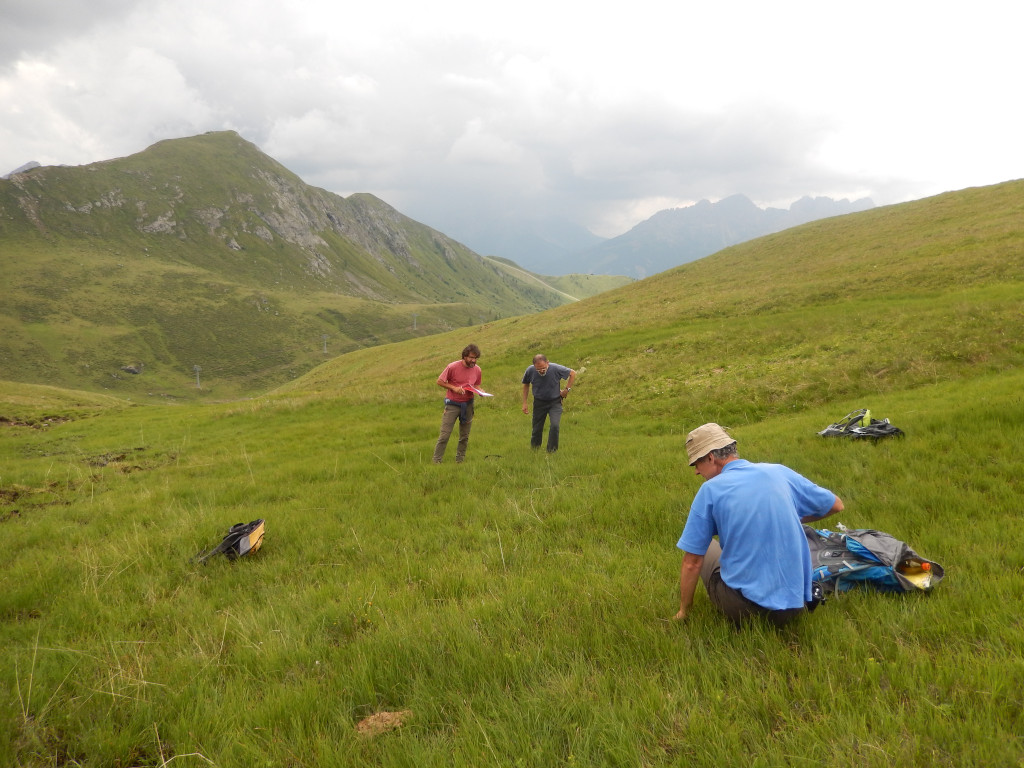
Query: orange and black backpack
point(242, 539)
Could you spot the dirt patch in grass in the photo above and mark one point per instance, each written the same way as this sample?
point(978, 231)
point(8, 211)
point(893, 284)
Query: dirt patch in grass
point(382, 722)
point(118, 460)
point(41, 423)
point(15, 499)
point(23, 495)
point(130, 460)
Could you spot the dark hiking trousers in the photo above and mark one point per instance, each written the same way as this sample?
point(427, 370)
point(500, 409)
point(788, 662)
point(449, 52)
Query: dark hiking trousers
point(731, 601)
point(551, 410)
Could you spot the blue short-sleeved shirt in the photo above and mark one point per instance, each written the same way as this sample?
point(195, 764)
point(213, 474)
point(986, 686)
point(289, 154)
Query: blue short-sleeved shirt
point(755, 511)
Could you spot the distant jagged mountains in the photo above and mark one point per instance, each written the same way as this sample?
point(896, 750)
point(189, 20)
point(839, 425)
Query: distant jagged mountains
point(680, 235)
point(667, 239)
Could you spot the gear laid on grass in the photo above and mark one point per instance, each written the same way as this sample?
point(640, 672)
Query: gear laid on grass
point(859, 424)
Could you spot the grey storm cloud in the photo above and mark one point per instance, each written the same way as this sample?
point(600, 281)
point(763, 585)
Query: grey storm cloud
point(461, 110)
point(34, 25)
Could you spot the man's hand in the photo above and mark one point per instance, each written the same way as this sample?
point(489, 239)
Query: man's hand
point(526, 409)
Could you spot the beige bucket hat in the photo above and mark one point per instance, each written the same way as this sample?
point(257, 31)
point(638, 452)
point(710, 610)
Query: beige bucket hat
point(704, 439)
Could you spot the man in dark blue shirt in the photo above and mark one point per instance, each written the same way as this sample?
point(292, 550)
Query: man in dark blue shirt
point(546, 380)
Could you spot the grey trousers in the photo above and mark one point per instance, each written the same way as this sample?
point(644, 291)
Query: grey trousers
point(448, 419)
point(731, 601)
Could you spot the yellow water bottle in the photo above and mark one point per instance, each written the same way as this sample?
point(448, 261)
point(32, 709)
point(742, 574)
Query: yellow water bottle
point(918, 572)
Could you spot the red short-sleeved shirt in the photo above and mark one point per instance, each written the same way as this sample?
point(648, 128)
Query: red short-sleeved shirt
point(460, 375)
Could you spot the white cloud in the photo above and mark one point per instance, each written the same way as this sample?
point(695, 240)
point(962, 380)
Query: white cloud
point(467, 109)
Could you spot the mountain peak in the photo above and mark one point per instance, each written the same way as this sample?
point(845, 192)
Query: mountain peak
point(22, 168)
point(212, 253)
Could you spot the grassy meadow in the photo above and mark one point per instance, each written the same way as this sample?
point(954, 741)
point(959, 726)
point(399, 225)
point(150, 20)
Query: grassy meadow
point(516, 609)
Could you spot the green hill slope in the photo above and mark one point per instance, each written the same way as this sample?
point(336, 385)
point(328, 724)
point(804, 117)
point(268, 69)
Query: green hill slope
point(206, 252)
point(516, 608)
point(575, 286)
point(890, 298)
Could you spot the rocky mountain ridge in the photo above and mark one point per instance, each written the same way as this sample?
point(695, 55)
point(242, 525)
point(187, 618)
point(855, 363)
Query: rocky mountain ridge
point(163, 258)
point(21, 169)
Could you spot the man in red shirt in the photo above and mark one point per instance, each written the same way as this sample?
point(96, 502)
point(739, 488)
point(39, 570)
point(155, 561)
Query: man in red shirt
point(458, 378)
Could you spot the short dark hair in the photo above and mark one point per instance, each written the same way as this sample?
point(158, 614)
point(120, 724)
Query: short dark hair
point(471, 349)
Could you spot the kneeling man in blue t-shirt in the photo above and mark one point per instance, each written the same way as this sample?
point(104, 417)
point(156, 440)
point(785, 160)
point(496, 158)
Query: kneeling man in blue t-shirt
point(760, 565)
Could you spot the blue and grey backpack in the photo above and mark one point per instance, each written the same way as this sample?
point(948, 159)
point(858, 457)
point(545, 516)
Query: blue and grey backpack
point(841, 560)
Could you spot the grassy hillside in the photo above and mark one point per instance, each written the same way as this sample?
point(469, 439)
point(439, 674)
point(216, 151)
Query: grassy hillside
point(575, 286)
point(515, 610)
point(125, 275)
point(895, 297)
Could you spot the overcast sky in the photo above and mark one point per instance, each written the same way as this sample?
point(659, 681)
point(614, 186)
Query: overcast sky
point(602, 113)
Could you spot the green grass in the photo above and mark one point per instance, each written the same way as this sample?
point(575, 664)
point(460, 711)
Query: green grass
point(518, 606)
point(574, 287)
